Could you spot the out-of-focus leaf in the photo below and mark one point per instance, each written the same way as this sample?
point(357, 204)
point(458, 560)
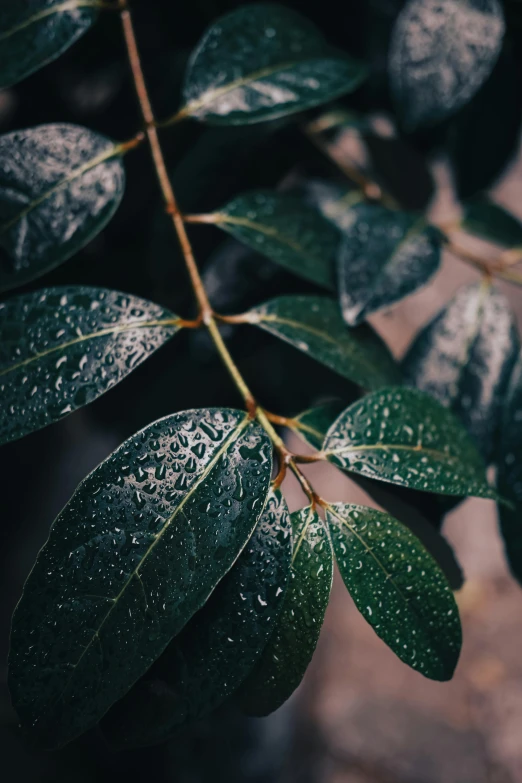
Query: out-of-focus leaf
point(264, 61)
point(441, 52)
point(464, 358)
point(133, 555)
point(292, 644)
point(384, 256)
point(61, 348)
point(59, 187)
point(35, 32)
point(398, 588)
point(489, 220)
point(313, 325)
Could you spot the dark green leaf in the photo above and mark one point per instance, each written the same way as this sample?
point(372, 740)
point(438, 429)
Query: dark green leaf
point(398, 588)
point(509, 472)
point(464, 358)
point(286, 230)
point(219, 646)
point(405, 437)
point(335, 203)
point(440, 54)
point(264, 61)
point(59, 187)
point(35, 32)
point(313, 424)
point(133, 555)
point(61, 348)
point(292, 644)
point(384, 256)
point(314, 325)
point(491, 221)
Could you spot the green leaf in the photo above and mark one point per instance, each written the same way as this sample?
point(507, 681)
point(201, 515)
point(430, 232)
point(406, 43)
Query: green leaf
point(35, 32)
point(398, 588)
point(464, 358)
point(261, 62)
point(491, 221)
point(313, 424)
point(385, 255)
point(292, 644)
point(509, 472)
point(61, 348)
point(441, 53)
point(314, 325)
point(405, 437)
point(284, 228)
point(219, 646)
point(133, 555)
point(59, 187)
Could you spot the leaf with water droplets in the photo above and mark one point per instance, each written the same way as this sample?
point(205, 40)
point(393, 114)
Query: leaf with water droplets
point(405, 437)
point(218, 647)
point(491, 221)
point(61, 348)
point(292, 644)
point(133, 555)
point(59, 187)
point(287, 230)
point(441, 53)
point(36, 32)
point(314, 325)
point(398, 588)
point(384, 256)
point(261, 62)
point(509, 472)
point(464, 358)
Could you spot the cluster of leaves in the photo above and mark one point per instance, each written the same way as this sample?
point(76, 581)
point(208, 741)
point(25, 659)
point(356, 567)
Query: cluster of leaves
point(175, 577)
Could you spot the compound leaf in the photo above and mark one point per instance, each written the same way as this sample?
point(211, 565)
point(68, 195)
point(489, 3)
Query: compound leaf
point(261, 62)
point(61, 348)
point(314, 325)
point(292, 644)
point(134, 554)
point(220, 645)
point(405, 437)
point(59, 187)
point(398, 588)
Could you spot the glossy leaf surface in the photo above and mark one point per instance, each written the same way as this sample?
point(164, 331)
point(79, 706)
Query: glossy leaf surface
point(464, 358)
point(264, 61)
point(398, 588)
point(59, 186)
point(384, 256)
point(218, 647)
point(61, 348)
point(314, 325)
point(441, 53)
point(133, 555)
point(35, 32)
point(491, 221)
point(284, 228)
point(405, 437)
point(292, 644)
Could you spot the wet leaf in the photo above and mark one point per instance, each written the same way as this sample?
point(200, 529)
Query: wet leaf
point(491, 221)
point(292, 644)
point(59, 187)
point(35, 32)
point(313, 424)
point(384, 256)
point(405, 437)
point(61, 348)
point(218, 647)
point(441, 52)
point(509, 472)
point(133, 555)
point(284, 228)
point(464, 358)
point(264, 61)
point(398, 588)
point(314, 325)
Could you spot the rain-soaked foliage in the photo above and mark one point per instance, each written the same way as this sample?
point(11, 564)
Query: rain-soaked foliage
point(174, 581)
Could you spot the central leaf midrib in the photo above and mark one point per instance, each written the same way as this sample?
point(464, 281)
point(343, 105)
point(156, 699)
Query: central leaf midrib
point(396, 447)
point(66, 5)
